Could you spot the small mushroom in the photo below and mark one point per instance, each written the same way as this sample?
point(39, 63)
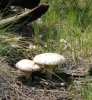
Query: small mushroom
point(49, 60)
point(27, 67)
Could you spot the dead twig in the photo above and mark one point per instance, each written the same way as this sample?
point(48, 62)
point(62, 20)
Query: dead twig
point(49, 83)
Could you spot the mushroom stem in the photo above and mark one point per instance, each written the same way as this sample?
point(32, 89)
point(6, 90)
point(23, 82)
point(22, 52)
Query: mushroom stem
point(28, 75)
point(49, 71)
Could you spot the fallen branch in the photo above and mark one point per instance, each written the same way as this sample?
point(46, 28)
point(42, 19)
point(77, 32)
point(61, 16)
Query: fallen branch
point(49, 83)
point(31, 15)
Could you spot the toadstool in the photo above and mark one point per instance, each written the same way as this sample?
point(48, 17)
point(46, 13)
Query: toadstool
point(27, 67)
point(49, 60)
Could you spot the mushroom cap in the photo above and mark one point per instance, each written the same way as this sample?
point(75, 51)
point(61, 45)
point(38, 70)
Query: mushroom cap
point(27, 65)
point(49, 59)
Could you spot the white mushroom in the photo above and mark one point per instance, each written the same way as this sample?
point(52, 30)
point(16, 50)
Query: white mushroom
point(49, 60)
point(27, 67)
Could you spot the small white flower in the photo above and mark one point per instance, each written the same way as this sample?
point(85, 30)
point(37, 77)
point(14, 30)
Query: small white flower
point(32, 46)
point(63, 41)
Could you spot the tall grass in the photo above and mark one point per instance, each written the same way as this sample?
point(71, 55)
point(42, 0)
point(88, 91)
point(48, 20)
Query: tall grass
point(70, 20)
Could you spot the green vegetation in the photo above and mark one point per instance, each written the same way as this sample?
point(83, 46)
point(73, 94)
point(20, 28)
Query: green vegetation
point(70, 20)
